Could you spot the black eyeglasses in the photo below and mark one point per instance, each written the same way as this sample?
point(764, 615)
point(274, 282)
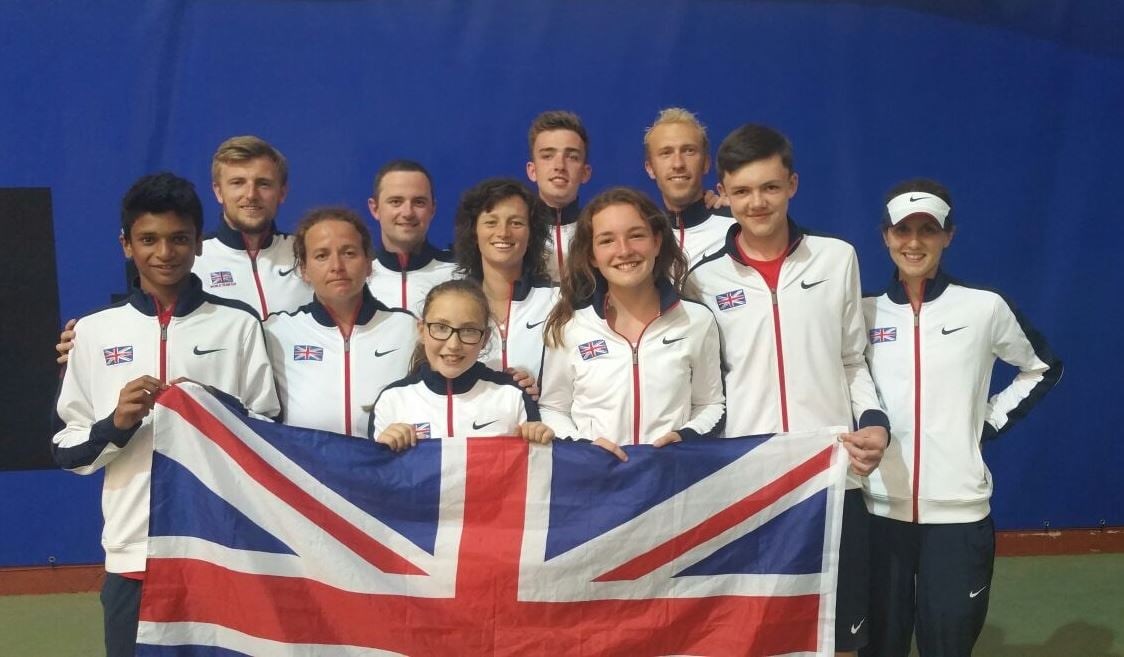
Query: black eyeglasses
point(466, 334)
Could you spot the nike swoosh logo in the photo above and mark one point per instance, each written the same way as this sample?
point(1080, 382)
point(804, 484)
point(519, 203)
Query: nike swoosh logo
point(972, 594)
point(808, 286)
point(673, 340)
point(477, 427)
point(855, 628)
point(914, 200)
point(945, 331)
point(203, 352)
point(285, 272)
point(531, 326)
point(380, 354)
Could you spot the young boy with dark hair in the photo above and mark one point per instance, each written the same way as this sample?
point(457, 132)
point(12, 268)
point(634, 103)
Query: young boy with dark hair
point(125, 354)
point(789, 309)
point(559, 166)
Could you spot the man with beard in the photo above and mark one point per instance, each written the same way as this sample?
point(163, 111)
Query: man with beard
point(247, 258)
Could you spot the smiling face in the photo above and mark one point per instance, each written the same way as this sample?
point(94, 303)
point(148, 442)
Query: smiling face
point(404, 209)
point(916, 244)
point(502, 234)
point(335, 265)
point(759, 193)
point(624, 246)
point(677, 161)
point(163, 247)
point(250, 193)
point(558, 166)
point(457, 310)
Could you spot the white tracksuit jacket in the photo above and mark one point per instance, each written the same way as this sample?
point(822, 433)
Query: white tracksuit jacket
point(563, 222)
point(401, 281)
point(792, 357)
point(214, 341)
point(479, 402)
point(933, 371)
point(267, 282)
point(699, 230)
point(596, 384)
point(326, 381)
point(518, 342)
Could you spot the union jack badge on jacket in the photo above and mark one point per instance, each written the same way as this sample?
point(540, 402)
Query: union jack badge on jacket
point(592, 349)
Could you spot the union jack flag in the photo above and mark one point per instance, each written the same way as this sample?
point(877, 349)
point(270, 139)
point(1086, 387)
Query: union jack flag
point(421, 430)
point(730, 300)
point(486, 546)
point(592, 349)
point(221, 278)
point(307, 352)
point(885, 334)
point(116, 355)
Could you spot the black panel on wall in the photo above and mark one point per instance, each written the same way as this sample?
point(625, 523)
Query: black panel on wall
point(29, 324)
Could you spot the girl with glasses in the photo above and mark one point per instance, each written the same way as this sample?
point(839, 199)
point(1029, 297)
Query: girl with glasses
point(450, 394)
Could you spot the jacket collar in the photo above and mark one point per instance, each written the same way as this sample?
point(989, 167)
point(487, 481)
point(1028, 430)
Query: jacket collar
point(795, 234)
point(523, 285)
point(232, 238)
point(440, 385)
point(190, 298)
point(566, 215)
point(367, 309)
point(414, 261)
point(690, 216)
point(934, 287)
point(668, 296)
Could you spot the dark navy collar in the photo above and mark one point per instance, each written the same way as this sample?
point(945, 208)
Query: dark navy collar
point(438, 384)
point(932, 289)
point(414, 261)
point(367, 309)
point(523, 285)
point(795, 234)
point(690, 216)
point(190, 298)
point(233, 238)
point(566, 215)
point(668, 296)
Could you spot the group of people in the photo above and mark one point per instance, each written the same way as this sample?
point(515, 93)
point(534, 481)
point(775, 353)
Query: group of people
point(618, 322)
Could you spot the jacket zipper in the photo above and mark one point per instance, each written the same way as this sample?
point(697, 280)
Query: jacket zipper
point(164, 318)
point(558, 242)
point(780, 358)
point(346, 364)
point(252, 254)
point(449, 406)
point(504, 328)
point(916, 401)
point(682, 230)
point(403, 261)
point(636, 376)
point(347, 384)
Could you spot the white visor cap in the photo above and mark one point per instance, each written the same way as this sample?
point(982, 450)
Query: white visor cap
point(911, 203)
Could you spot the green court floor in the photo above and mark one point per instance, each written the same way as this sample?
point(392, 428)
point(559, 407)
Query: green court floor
point(1040, 607)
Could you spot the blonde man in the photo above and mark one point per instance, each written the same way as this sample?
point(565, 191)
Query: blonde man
point(677, 157)
point(247, 258)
